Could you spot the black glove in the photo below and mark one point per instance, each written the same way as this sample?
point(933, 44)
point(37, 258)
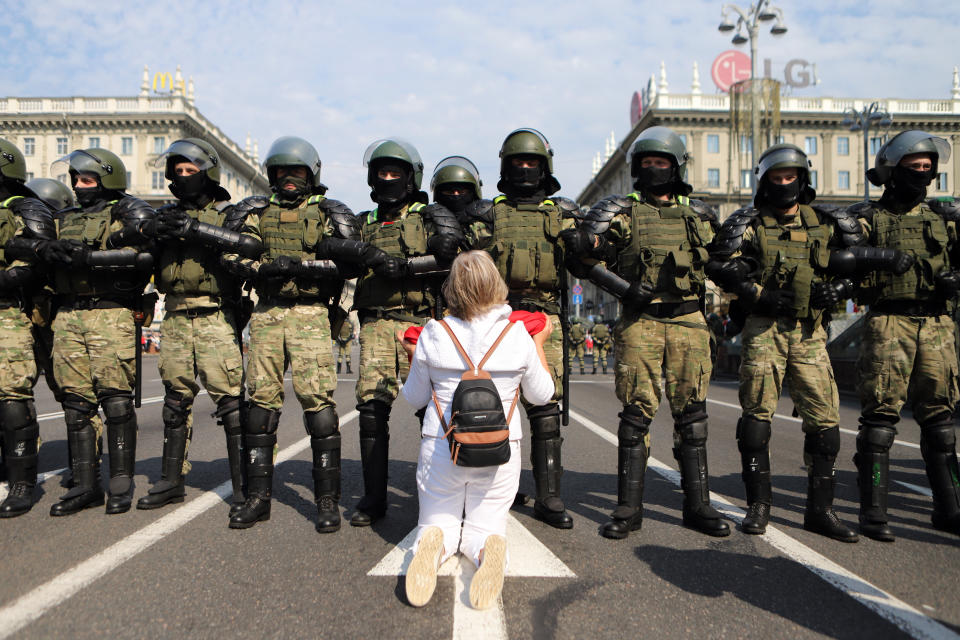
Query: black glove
point(773, 302)
point(826, 295)
point(728, 275)
point(444, 246)
point(390, 267)
point(270, 271)
point(289, 266)
point(79, 252)
point(55, 252)
point(901, 262)
point(578, 242)
point(638, 295)
point(176, 222)
point(948, 283)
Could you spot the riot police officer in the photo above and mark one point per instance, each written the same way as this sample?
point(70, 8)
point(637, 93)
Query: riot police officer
point(344, 344)
point(521, 229)
point(657, 238)
point(290, 325)
point(601, 345)
point(402, 227)
point(577, 340)
point(456, 184)
point(908, 338)
point(779, 259)
point(201, 303)
point(100, 264)
point(57, 196)
point(19, 210)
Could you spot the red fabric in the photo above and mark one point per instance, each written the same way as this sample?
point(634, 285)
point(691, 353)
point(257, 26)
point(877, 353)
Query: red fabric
point(412, 334)
point(533, 321)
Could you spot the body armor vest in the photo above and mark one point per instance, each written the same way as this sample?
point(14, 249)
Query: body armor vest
point(577, 334)
point(793, 258)
point(921, 233)
point(8, 227)
point(524, 245)
point(93, 228)
point(403, 237)
point(296, 233)
point(192, 269)
point(666, 250)
point(600, 333)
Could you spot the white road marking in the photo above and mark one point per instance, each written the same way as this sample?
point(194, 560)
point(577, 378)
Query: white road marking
point(924, 491)
point(31, 606)
point(528, 558)
point(908, 619)
point(53, 415)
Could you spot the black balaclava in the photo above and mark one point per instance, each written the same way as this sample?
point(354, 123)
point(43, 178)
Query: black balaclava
point(392, 193)
point(656, 180)
point(88, 197)
point(302, 188)
point(908, 187)
point(782, 196)
point(523, 185)
point(193, 189)
point(458, 203)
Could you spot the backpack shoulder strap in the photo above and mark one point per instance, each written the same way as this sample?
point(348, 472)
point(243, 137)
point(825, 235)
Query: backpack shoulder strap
point(456, 343)
point(495, 344)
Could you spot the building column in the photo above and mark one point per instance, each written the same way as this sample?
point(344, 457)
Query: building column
point(826, 178)
point(699, 153)
point(952, 186)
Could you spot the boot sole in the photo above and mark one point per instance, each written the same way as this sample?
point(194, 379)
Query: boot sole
point(853, 538)
point(545, 516)
point(14, 514)
point(487, 582)
point(328, 528)
point(117, 509)
point(146, 506)
point(96, 503)
point(421, 579)
point(716, 533)
point(247, 525)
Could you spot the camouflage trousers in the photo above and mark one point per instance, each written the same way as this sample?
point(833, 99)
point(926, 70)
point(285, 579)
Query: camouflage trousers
point(383, 362)
point(298, 336)
point(646, 350)
point(343, 352)
point(93, 351)
point(786, 350)
point(905, 357)
point(553, 350)
point(204, 346)
point(600, 353)
point(18, 372)
point(576, 353)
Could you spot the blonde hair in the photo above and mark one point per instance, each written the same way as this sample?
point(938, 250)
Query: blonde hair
point(474, 285)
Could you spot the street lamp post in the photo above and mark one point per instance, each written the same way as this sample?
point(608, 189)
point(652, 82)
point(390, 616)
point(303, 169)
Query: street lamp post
point(871, 114)
point(750, 20)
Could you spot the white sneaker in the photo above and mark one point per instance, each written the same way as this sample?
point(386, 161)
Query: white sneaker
point(422, 573)
point(488, 580)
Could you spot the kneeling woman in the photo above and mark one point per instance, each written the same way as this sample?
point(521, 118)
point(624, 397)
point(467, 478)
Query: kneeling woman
point(465, 508)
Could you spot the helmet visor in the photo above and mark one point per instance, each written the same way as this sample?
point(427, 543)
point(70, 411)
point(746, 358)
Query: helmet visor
point(783, 159)
point(81, 161)
point(396, 148)
point(190, 151)
point(455, 161)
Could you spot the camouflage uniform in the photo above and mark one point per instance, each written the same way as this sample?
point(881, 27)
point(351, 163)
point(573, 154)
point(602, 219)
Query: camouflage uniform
point(345, 344)
point(577, 338)
point(601, 346)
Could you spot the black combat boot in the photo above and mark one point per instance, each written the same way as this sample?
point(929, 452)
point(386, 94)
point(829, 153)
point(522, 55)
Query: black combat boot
point(20, 433)
point(632, 457)
point(170, 488)
point(122, 442)
point(348, 367)
point(819, 516)
point(85, 460)
point(259, 440)
point(231, 413)
point(374, 456)
point(753, 438)
point(938, 444)
point(547, 468)
point(873, 477)
point(323, 428)
point(339, 366)
point(690, 452)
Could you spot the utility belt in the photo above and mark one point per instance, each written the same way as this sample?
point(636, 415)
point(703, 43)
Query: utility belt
point(400, 315)
point(521, 303)
point(671, 309)
point(96, 302)
point(198, 312)
point(910, 307)
point(293, 302)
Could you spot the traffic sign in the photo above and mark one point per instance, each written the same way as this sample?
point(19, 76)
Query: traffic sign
point(577, 289)
point(577, 299)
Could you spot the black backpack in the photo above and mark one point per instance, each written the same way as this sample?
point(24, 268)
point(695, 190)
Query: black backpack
point(479, 433)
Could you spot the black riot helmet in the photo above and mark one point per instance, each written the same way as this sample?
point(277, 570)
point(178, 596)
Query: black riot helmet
point(783, 156)
point(13, 169)
point(54, 193)
point(291, 151)
point(532, 143)
point(665, 143)
point(456, 172)
point(903, 144)
point(200, 153)
point(399, 155)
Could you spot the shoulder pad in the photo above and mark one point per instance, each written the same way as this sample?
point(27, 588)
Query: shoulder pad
point(597, 219)
point(706, 212)
point(730, 236)
point(847, 223)
point(335, 207)
point(346, 225)
point(252, 204)
point(568, 208)
point(170, 206)
point(36, 216)
point(133, 210)
point(444, 220)
point(481, 210)
point(862, 210)
point(946, 206)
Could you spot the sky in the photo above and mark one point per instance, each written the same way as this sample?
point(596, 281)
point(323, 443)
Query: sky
point(453, 78)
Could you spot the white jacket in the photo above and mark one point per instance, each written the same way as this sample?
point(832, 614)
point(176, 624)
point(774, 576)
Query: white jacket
point(437, 361)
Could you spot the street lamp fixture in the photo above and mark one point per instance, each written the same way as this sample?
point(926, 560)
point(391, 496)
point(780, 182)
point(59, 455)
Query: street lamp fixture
point(871, 115)
point(749, 20)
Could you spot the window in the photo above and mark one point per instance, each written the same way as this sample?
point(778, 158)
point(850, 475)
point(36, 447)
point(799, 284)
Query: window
point(778, 140)
point(941, 182)
point(156, 180)
point(159, 144)
point(745, 178)
point(29, 146)
point(843, 146)
point(713, 143)
point(746, 144)
point(126, 146)
point(875, 144)
point(29, 176)
point(94, 142)
point(843, 180)
point(810, 145)
point(713, 177)
point(813, 179)
point(62, 147)
point(129, 179)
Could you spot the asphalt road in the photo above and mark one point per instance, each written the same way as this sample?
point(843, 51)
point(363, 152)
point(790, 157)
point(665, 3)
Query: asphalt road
point(180, 571)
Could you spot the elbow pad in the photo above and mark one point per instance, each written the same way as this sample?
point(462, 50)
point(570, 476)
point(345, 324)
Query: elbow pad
point(226, 240)
point(120, 259)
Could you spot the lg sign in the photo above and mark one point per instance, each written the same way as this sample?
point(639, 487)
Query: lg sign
point(733, 66)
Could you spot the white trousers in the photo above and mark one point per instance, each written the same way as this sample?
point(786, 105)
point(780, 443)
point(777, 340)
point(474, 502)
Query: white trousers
point(467, 504)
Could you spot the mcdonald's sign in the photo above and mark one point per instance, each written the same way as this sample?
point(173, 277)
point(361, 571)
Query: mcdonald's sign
point(165, 82)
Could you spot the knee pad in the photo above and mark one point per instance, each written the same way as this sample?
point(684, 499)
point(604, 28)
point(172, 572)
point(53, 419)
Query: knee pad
point(824, 443)
point(752, 434)
point(693, 433)
point(15, 414)
point(321, 424)
point(374, 418)
point(175, 410)
point(940, 436)
point(228, 404)
point(117, 407)
point(633, 427)
point(77, 412)
point(544, 421)
point(230, 414)
point(875, 438)
point(262, 421)
point(694, 412)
